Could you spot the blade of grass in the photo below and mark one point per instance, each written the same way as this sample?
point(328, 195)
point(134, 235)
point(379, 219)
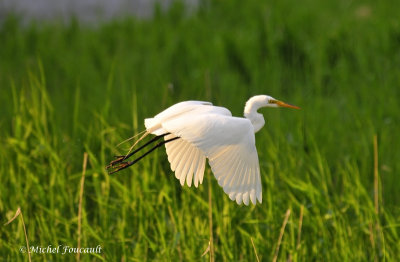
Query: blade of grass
point(17, 213)
point(379, 234)
point(85, 156)
point(255, 250)
point(210, 217)
point(281, 235)
point(300, 226)
point(376, 176)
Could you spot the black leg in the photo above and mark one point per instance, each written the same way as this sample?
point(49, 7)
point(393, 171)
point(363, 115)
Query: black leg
point(148, 143)
point(119, 159)
point(119, 163)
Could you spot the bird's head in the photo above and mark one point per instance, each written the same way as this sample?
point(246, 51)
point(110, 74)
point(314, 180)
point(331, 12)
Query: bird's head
point(269, 101)
point(257, 102)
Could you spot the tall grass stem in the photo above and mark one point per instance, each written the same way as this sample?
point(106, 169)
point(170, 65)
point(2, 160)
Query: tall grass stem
point(17, 213)
point(281, 235)
point(85, 156)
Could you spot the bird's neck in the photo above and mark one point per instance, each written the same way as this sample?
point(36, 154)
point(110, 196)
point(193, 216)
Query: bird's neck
point(250, 112)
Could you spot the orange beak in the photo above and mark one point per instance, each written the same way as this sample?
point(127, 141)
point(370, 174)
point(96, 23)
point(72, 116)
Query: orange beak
point(283, 104)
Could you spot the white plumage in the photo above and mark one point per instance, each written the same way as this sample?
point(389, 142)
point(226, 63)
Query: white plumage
point(228, 142)
point(196, 130)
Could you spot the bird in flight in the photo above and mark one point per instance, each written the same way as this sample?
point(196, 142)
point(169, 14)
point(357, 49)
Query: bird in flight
point(195, 130)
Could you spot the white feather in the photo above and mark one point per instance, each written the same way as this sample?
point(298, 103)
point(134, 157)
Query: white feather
point(176, 155)
point(193, 165)
point(200, 173)
point(207, 131)
point(234, 171)
point(187, 160)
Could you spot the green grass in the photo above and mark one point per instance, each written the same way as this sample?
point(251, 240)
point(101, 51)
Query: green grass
point(70, 89)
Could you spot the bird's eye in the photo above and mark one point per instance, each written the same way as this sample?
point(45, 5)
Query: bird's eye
point(272, 101)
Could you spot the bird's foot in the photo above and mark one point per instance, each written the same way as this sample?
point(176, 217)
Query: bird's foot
point(117, 164)
point(117, 167)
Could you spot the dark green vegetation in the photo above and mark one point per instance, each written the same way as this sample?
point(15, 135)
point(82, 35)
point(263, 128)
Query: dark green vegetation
point(70, 89)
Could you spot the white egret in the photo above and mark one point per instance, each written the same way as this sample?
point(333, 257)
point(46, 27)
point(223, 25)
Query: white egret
point(196, 130)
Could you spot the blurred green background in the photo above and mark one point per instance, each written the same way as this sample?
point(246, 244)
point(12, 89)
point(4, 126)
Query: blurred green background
point(66, 89)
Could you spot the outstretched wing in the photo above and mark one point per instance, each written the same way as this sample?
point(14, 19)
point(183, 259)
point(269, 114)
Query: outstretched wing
point(186, 160)
point(229, 144)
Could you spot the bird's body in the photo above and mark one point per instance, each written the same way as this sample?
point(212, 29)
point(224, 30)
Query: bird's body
point(196, 130)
